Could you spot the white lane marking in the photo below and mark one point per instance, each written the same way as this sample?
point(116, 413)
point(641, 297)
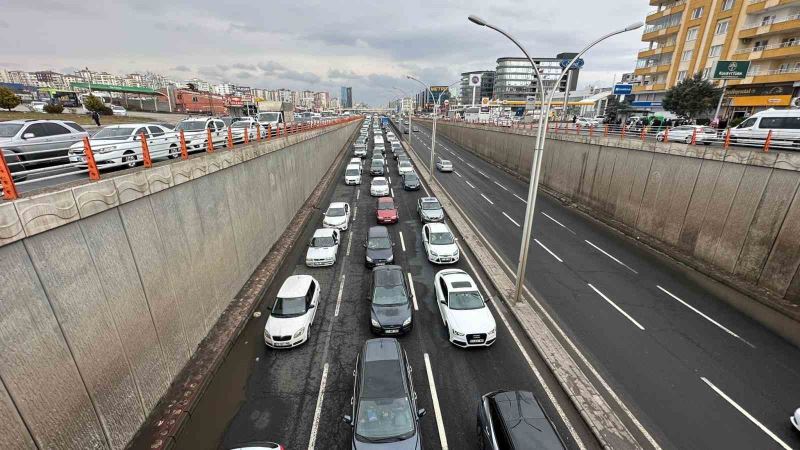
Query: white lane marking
point(548, 251)
point(705, 316)
point(525, 355)
point(470, 184)
point(413, 292)
point(457, 174)
point(358, 193)
point(503, 187)
point(390, 180)
point(339, 298)
point(559, 223)
point(355, 212)
point(512, 220)
point(460, 158)
point(391, 191)
point(746, 414)
point(621, 311)
point(349, 241)
point(481, 172)
point(402, 242)
point(520, 198)
point(426, 190)
point(607, 254)
point(312, 440)
point(471, 165)
point(436, 409)
point(487, 199)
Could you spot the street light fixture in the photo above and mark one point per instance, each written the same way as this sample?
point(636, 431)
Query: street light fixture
point(545, 100)
point(435, 113)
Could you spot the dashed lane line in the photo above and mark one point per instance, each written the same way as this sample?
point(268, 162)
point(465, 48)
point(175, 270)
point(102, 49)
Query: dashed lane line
point(621, 311)
point(548, 251)
point(402, 242)
point(312, 440)
point(339, 298)
point(512, 220)
point(413, 292)
point(612, 257)
point(557, 222)
point(436, 409)
point(469, 184)
point(487, 199)
point(501, 186)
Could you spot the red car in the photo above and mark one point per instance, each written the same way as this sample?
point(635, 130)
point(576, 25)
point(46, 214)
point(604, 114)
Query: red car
point(386, 212)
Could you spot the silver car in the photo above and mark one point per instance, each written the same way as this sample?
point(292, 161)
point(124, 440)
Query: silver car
point(444, 165)
point(31, 143)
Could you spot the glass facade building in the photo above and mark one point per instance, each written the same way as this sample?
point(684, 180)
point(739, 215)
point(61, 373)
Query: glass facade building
point(514, 79)
point(346, 97)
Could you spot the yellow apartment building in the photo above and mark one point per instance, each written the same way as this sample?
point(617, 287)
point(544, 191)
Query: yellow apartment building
point(685, 37)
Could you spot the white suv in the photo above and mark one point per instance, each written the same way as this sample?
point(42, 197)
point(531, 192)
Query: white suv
point(468, 319)
point(352, 174)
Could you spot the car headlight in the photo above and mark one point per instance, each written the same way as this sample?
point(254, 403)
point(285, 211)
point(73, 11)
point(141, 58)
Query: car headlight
point(433, 253)
point(407, 321)
point(297, 334)
point(106, 149)
point(375, 323)
point(493, 331)
point(390, 258)
point(369, 259)
point(266, 334)
point(458, 333)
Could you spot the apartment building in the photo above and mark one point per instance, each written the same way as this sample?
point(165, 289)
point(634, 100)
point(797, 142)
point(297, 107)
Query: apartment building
point(685, 37)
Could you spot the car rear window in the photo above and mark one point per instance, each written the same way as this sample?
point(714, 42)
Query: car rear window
point(75, 126)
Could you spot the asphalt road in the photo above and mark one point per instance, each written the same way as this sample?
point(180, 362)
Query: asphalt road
point(261, 393)
point(694, 371)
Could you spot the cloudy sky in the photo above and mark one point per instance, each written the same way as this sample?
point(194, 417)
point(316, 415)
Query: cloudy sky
point(319, 45)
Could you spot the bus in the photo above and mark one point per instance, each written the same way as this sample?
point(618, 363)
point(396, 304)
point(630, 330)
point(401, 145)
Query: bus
point(68, 99)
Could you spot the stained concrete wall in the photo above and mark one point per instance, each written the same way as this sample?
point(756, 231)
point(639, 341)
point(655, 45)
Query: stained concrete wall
point(736, 212)
point(107, 288)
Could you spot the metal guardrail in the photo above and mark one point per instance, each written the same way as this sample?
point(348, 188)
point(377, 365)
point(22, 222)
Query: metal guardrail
point(67, 158)
point(761, 48)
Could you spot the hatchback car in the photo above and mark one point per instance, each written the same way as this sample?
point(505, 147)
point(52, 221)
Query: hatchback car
point(379, 247)
point(684, 133)
point(464, 312)
point(384, 405)
point(386, 211)
point(411, 182)
point(390, 301)
point(292, 315)
point(515, 420)
point(440, 244)
point(430, 210)
point(379, 187)
point(444, 165)
point(323, 248)
point(337, 216)
point(35, 142)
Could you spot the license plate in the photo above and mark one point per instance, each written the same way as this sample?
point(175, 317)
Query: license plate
point(281, 344)
point(391, 331)
point(445, 259)
point(476, 341)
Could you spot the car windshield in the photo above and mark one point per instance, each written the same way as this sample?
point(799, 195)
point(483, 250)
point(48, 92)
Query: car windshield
point(379, 243)
point(379, 182)
point(241, 124)
point(405, 163)
point(390, 295)
point(114, 133)
point(445, 163)
point(386, 205)
point(9, 129)
point(289, 307)
point(335, 212)
point(441, 238)
point(377, 163)
point(465, 300)
point(351, 172)
point(322, 241)
point(411, 178)
point(193, 125)
point(431, 205)
point(384, 419)
point(268, 117)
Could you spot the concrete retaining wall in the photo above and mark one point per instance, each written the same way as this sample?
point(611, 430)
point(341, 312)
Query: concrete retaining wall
point(735, 214)
point(107, 288)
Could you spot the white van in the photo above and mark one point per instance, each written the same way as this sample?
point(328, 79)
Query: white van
point(784, 124)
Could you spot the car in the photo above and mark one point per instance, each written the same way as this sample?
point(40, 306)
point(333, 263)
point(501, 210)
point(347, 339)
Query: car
point(376, 168)
point(390, 301)
point(439, 243)
point(247, 123)
point(118, 111)
point(600, 119)
point(121, 145)
point(378, 141)
point(292, 315)
point(430, 210)
point(586, 122)
point(378, 157)
point(360, 150)
point(34, 143)
point(257, 445)
point(352, 174)
point(464, 312)
point(411, 182)
point(783, 123)
point(384, 410)
point(379, 187)
point(396, 146)
point(444, 165)
point(795, 419)
point(414, 129)
point(379, 247)
point(386, 212)
point(323, 248)
point(400, 154)
point(38, 106)
point(355, 162)
point(515, 419)
point(337, 216)
point(684, 133)
point(195, 131)
point(404, 167)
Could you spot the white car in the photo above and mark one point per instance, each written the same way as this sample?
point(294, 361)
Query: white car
point(396, 146)
point(323, 248)
point(464, 312)
point(38, 106)
point(118, 110)
point(379, 187)
point(248, 123)
point(444, 165)
point(586, 122)
point(352, 174)
point(795, 419)
point(440, 244)
point(783, 123)
point(118, 145)
point(404, 167)
point(337, 216)
point(684, 133)
point(377, 140)
point(195, 131)
point(354, 162)
point(360, 150)
point(292, 315)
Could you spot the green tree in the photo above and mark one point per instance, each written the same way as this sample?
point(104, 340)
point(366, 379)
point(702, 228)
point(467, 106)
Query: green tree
point(8, 99)
point(692, 97)
point(614, 108)
point(54, 108)
point(92, 103)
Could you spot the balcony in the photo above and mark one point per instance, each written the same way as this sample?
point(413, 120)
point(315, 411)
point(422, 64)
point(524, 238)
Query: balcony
point(764, 28)
point(758, 6)
point(649, 88)
point(659, 31)
point(647, 52)
point(787, 75)
point(649, 70)
point(772, 51)
point(669, 10)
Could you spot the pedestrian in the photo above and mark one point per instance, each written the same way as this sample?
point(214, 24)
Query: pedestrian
point(574, 119)
point(96, 118)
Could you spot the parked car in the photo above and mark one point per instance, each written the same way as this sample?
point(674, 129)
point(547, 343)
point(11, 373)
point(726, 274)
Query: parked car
point(379, 187)
point(379, 247)
point(439, 243)
point(195, 131)
point(247, 123)
point(377, 168)
point(38, 106)
point(430, 210)
point(384, 404)
point(390, 301)
point(352, 174)
point(404, 167)
point(586, 122)
point(323, 248)
point(33, 142)
point(468, 319)
point(515, 420)
point(411, 182)
point(117, 145)
point(289, 322)
point(444, 165)
point(337, 216)
point(118, 110)
point(684, 133)
point(386, 212)
point(784, 124)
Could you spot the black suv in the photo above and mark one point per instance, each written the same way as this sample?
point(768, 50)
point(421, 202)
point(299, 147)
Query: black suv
point(390, 301)
point(515, 420)
point(385, 413)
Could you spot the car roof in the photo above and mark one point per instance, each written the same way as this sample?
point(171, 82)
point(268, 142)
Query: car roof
point(428, 199)
point(379, 179)
point(378, 231)
point(777, 112)
point(436, 227)
point(337, 205)
point(295, 286)
point(381, 349)
point(385, 200)
point(525, 420)
point(458, 280)
point(391, 275)
point(324, 232)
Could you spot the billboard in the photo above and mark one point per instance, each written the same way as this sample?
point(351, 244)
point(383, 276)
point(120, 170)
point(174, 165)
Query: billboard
point(731, 70)
point(623, 88)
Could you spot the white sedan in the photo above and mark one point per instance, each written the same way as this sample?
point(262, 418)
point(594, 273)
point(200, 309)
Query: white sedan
point(337, 216)
point(684, 133)
point(323, 248)
point(468, 319)
point(795, 419)
point(440, 244)
point(118, 145)
point(292, 315)
point(118, 110)
point(379, 187)
point(404, 167)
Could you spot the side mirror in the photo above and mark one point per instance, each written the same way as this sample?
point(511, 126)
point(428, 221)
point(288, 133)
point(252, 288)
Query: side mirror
point(365, 245)
point(28, 136)
point(312, 306)
point(421, 412)
point(347, 419)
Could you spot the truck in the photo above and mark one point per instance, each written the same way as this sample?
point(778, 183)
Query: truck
point(273, 113)
point(384, 122)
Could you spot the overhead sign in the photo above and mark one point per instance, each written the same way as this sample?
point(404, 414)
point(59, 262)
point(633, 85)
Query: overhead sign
point(623, 88)
point(578, 64)
point(731, 70)
point(475, 80)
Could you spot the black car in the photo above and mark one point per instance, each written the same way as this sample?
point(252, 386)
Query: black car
point(385, 414)
point(379, 247)
point(515, 420)
point(390, 301)
point(411, 182)
point(376, 168)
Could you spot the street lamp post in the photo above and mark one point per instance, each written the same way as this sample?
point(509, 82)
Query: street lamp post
point(410, 111)
point(536, 163)
point(435, 113)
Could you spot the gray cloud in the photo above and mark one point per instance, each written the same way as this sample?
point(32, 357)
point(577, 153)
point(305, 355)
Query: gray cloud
point(181, 69)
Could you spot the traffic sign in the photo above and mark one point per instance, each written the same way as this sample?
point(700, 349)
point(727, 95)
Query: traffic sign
point(731, 70)
point(623, 88)
point(485, 101)
point(475, 80)
point(578, 64)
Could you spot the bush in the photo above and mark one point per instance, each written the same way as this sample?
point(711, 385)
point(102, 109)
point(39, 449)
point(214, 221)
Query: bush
point(92, 103)
point(54, 108)
point(8, 99)
point(105, 111)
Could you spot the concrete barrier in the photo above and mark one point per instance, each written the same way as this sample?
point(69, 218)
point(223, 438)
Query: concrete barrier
point(107, 288)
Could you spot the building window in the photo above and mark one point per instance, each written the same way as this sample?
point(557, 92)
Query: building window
point(706, 73)
point(715, 51)
point(767, 20)
point(722, 27)
point(788, 42)
point(691, 34)
point(194, 99)
point(759, 45)
point(697, 13)
point(687, 55)
point(727, 4)
point(681, 75)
